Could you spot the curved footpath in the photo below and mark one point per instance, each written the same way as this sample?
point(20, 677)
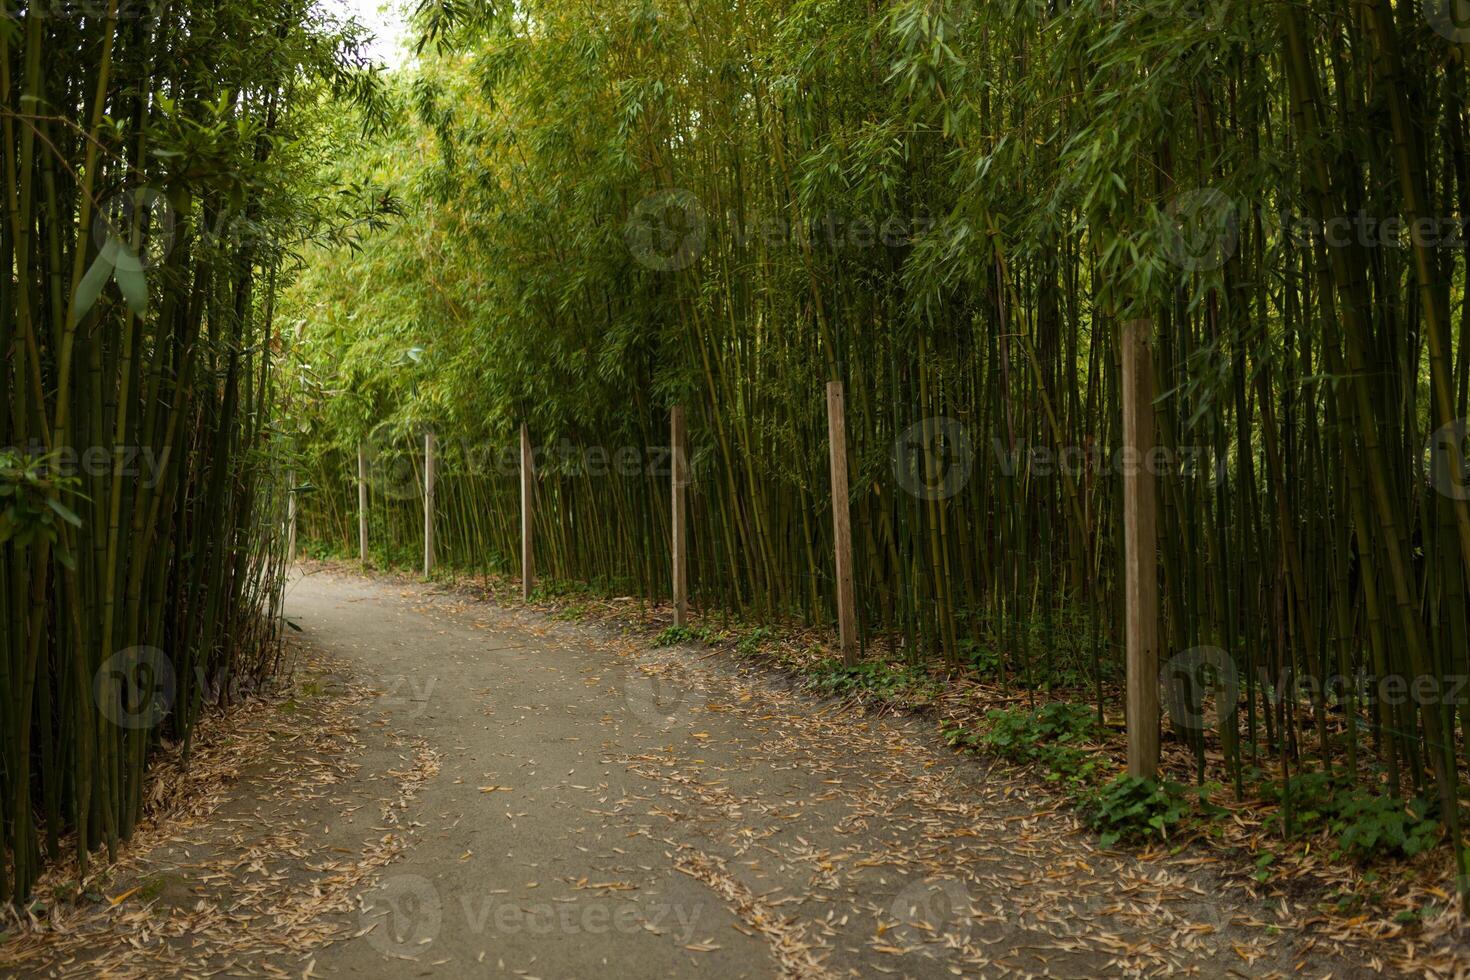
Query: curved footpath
point(512, 796)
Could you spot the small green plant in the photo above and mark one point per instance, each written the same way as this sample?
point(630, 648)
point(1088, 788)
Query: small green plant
point(1427, 911)
point(571, 613)
point(1307, 800)
point(1052, 735)
point(1019, 730)
point(1263, 866)
point(1132, 808)
point(1366, 824)
point(876, 678)
point(1349, 902)
point(675, 635)
point(750, 644)
point(30, 505)
point(550, 589)
point(980, 657)
point(958, 736)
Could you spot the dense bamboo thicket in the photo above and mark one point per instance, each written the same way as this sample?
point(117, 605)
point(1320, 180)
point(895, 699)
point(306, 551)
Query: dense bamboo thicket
point(621, 205)
point(152, 155)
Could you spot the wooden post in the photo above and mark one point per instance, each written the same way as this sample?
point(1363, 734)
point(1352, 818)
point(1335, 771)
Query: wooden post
point(1140, 551)
point(841, 522)
point(680, 478)
point(528, 494)
point(429, 443)
point(362, 503)
point(290, 519)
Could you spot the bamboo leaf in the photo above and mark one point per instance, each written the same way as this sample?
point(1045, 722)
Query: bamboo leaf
point(131, 280)
point(91, 286)
point(64, 512)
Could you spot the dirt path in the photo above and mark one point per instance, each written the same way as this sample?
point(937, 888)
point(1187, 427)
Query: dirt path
point(554, 801)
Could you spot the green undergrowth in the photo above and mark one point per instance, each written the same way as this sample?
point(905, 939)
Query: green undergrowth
point(877, 679)
point(753, 643)
point(570, 612)
point(558, 590)
point(1058, 736)
point(1063, 740)
point(1363, 824)
point(1137, 809)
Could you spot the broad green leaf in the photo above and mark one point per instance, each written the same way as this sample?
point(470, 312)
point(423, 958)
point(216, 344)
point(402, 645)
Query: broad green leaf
point(132, 282)
point(64, 512)
point(91, 287)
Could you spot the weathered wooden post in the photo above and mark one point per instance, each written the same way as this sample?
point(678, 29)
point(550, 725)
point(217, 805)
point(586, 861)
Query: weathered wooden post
point(362, 503)
point(429, 462)
point(1140, 543)
point(841, 522)
point(528, 494)
point(679, 479)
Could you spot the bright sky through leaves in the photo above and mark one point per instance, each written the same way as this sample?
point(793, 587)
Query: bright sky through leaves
point(384, 19)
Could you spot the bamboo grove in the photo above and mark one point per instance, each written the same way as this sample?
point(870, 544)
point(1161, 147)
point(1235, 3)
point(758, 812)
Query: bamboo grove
point(619, 206)
point(149, 154)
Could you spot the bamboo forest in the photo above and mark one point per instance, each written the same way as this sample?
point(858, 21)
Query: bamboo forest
point(810, 487)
